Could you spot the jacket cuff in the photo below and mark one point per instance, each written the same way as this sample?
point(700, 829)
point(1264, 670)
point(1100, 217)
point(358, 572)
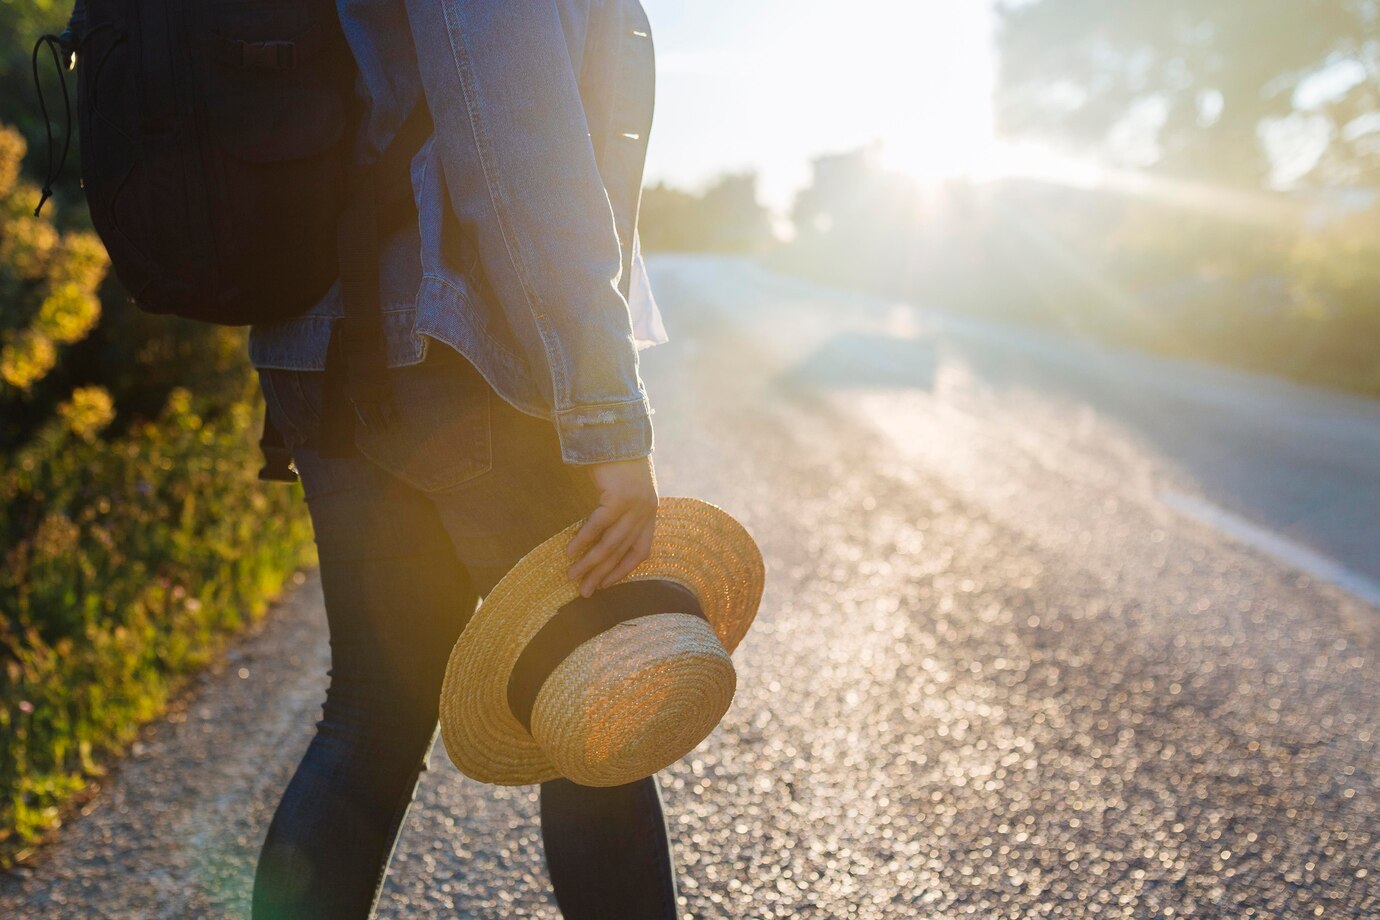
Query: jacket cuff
point(606, 432)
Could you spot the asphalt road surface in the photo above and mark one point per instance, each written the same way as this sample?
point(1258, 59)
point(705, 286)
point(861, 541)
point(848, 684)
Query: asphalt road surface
point(1050, 631)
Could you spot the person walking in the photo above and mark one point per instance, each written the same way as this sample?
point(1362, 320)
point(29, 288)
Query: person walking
point(426, 210)
point(512, 355)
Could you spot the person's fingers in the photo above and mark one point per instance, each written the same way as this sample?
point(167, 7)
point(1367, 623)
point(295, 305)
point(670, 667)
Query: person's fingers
point(640, 550)
point(599, 520)
point(613, 542)
point(632, 551)
point(591, 581)
point(606, 557)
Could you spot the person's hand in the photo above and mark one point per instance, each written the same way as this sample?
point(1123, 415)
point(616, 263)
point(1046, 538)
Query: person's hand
point(617, 536)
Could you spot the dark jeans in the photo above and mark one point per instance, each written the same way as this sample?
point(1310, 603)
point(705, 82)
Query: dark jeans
point(410, 532)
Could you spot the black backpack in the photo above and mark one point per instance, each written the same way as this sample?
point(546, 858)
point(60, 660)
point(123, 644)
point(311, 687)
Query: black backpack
point(216, 152)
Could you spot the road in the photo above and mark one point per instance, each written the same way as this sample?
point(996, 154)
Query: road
point(1050, 631)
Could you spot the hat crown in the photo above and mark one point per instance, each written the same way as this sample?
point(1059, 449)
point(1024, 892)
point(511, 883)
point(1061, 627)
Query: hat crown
point(634, 699)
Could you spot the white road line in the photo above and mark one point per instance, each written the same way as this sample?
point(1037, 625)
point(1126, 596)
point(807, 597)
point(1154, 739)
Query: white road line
point(1281, 548)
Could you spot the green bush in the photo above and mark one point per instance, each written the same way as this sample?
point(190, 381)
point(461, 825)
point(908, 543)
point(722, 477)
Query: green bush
point(21, 22)
point(134, 541)
point(1337, 272)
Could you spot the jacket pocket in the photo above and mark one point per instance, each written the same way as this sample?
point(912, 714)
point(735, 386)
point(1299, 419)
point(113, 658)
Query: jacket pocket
point(292, 399)
point(441, 435)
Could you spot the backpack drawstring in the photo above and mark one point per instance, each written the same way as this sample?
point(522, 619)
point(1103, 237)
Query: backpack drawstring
point(54, 44)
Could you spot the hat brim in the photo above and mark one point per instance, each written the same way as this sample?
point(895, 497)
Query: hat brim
point(697, 545)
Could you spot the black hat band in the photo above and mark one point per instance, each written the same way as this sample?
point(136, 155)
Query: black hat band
point(581, 620)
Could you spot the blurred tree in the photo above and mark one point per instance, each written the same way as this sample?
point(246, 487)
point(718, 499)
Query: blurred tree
point(48, 283)
point(666, 218)
point(21, 22)
point(740, 222)
point(726, 218)
point(1337, 274)
point(846, 190)
point(1193, 85)
point(858, 223)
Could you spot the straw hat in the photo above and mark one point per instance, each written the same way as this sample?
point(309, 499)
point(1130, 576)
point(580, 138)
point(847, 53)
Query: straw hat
point(606, 690)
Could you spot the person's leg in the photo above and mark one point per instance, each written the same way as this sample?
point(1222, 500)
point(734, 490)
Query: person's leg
point(396, 599)
point(606, 849)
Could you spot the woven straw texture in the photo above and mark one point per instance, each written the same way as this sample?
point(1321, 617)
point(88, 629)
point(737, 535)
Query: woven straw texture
point(697, 545)
point(634, 700)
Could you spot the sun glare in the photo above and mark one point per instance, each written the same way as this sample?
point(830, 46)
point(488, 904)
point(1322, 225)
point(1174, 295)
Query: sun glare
point(962, 148)
point(933, 72)
point(790, 82)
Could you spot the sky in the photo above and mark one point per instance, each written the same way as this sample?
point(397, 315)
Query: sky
point(766, 85)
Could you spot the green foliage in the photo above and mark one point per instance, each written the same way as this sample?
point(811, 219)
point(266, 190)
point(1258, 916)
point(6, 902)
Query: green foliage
point(725, 218)
point(1337, 278)
point(23, 21)
point(1258, 280)
point(139, 359)
point(1207, 74)
point(48, 283)
point(1261, 290)
point(127, 563)
point(136, 535)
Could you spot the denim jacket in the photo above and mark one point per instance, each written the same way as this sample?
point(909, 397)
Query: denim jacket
point(530, 181)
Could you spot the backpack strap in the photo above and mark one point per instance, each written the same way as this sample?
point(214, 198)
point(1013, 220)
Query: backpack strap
point(277, 455)
point(357, 388)
point(357, 385)
point(367, 381)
